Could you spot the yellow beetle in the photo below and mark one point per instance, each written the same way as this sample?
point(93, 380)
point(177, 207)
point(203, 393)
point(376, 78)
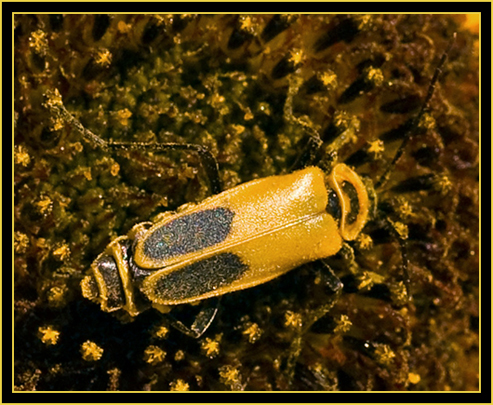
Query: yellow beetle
point(235, 239)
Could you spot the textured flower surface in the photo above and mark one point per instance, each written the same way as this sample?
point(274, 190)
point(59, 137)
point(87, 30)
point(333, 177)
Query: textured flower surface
point(250, 88)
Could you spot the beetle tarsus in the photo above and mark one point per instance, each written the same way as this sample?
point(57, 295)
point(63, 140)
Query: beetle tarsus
point(201, 322)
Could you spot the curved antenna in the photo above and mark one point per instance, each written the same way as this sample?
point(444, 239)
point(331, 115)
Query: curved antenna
point(207, 160)
point(415, 121)
point(408, 135)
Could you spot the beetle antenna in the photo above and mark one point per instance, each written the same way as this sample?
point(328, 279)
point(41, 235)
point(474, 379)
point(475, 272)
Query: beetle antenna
point(415, 121)
point(208, 161)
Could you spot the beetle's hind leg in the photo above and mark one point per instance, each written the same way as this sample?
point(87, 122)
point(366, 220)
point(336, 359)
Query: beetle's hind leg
point(201, 321)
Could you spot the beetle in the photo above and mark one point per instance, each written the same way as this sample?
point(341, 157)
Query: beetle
point(231, 241)
point(235, 239)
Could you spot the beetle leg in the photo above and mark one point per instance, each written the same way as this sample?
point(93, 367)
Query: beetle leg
point(404, 259)
point(330, 282)
point(347, 253)
point(404, 265)
point(332, 288)
point(308, 155)
point(329, 277)
point(207, 160)
point(201, 322)
point(294, 353)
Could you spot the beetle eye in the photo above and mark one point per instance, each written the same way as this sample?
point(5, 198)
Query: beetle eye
point(333, 205)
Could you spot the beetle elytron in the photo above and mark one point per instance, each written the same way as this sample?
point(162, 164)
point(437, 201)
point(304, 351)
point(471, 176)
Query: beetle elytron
point(233, 240)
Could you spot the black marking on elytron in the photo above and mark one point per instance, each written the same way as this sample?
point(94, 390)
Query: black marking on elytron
point(189, 233)
point(200, 277)
point(109, 271)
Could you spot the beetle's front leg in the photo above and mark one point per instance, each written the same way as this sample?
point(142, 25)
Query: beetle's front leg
point(347, 253)
point(327, 279)
point(308, 155)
